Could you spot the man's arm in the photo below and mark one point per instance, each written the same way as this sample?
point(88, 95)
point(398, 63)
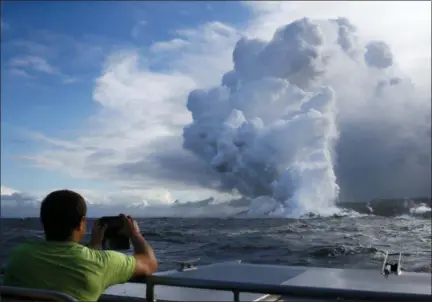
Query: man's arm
point(119, 267)
point(97, 235)
point(146, 262)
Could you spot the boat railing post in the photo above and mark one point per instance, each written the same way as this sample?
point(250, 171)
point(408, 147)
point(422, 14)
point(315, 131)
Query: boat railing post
point(236, 295)
point(150, 291)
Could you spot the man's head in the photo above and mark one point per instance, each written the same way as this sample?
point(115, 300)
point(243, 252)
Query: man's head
point(63, 215)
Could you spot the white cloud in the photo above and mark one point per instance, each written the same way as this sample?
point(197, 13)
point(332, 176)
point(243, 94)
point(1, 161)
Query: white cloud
point(25, 66)
point(19, 73)
point(174, 44)
point(141, 120)
point(400, 24)
point(33, 62)
point(32, 47)
point(16, 204)
point(68, 58)
point(137, 29)
point(4, 26)
point(70, 80)
point(206, 52)
point(135, 139)
point(7, 191)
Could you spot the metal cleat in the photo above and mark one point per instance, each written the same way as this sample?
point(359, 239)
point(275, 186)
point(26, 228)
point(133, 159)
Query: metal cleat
point(187, 264)
point(389, 267)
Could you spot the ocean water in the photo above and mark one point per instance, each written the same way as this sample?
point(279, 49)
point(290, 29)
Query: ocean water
point(343, 242)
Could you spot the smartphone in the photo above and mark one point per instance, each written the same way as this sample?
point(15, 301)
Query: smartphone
point(113, 240)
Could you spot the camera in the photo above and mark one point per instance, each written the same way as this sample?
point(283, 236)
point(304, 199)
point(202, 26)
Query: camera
point(113, 240)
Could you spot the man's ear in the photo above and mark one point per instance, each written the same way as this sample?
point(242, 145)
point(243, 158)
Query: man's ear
point(83, 225)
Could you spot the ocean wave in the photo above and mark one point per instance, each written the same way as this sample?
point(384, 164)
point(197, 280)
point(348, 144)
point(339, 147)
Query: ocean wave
point(346, 242)
point(412, 208)
point(241, 208)
point(340, 250)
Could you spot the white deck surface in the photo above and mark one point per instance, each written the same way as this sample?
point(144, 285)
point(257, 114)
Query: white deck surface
point(364, 280)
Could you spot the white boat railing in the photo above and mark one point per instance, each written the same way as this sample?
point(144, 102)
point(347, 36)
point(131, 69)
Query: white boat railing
point(275, 289)
point(180, 278)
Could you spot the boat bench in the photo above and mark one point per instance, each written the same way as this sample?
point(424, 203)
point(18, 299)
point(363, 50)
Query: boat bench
point(14, 294)
point(113, 298)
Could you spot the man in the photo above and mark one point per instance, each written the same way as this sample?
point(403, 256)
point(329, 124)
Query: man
point(60, 263)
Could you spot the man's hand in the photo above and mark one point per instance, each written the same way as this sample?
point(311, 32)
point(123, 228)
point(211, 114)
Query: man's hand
point(130, 227)
point(146, 263)
point(97, 235)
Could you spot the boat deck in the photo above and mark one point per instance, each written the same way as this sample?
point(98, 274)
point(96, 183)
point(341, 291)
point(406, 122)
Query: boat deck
point(235, 281)
point(217, 282)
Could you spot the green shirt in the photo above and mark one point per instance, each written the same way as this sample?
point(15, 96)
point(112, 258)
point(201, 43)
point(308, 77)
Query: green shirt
point(70, 268)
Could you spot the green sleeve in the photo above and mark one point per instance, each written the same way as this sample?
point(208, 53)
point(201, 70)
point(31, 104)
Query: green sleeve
point(119, 268)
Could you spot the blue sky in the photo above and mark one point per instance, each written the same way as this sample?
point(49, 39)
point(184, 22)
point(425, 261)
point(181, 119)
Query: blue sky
point(94, 93)
point(71, 40)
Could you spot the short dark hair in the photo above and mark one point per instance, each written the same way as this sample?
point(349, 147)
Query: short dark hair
point(61, 213)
